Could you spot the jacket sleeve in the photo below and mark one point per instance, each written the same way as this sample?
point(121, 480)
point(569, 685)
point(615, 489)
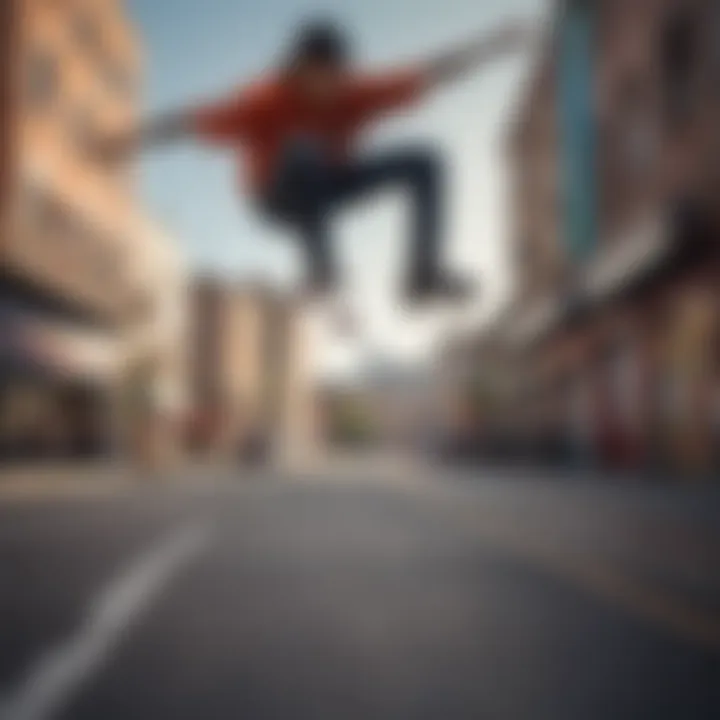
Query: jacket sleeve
point(379, 94)
point(228, 120)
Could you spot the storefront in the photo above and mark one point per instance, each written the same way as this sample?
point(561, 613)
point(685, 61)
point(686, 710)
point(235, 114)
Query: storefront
point(690, 372)
point(56, 389)
point(581, 415)
point(624, 382)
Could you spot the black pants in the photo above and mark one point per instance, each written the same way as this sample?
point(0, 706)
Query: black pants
point(307, 191)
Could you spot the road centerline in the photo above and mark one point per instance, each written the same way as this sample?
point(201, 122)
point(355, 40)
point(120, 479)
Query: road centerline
point(60, 672)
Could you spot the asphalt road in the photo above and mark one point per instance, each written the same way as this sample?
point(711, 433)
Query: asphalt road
point(343, 598)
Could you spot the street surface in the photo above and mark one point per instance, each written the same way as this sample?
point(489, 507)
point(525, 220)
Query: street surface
point(360, 595)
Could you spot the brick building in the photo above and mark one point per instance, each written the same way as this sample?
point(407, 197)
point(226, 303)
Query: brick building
point(540, 259)
point(68, 71)
point(621, 345)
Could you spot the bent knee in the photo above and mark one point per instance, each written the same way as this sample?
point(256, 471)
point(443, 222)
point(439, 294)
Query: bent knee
point(425, 163)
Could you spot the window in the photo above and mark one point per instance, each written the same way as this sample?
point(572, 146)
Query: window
point(80, 128)
point(40, 215)
point(119, 80)
point(635, 127)
point(86, 31)
point(88, 34)
point(42, 80)
point(641, 147)
point(679, 59)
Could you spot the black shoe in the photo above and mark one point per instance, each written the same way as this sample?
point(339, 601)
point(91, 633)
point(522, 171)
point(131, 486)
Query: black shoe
point(443, 287)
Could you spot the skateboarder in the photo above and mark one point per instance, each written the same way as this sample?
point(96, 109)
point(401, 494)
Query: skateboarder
point(295, 129)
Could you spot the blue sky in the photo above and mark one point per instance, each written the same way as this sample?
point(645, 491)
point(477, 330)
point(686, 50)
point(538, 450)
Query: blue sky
point(196, 50)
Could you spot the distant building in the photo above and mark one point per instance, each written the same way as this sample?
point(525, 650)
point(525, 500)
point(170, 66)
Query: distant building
point(389, 403)
point(478, 376)
point(250, 368)
point(225, 355)
point(290, 392)
point(68, 72)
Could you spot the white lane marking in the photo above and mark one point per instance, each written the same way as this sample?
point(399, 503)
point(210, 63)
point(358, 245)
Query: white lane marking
point(64, 669)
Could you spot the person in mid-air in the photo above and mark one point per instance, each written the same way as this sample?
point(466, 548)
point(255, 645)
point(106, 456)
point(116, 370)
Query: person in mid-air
point(296, 129)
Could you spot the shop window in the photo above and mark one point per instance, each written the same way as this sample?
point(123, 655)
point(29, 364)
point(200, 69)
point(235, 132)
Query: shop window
point(679, 63)
point(42, 80)
point(676, 396)
point(623, 368)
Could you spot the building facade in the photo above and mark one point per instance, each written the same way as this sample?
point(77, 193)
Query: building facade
point(154, 379)
point(69, 72)
point(621, 344)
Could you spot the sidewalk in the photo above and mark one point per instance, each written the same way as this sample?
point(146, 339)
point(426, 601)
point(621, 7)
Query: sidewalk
point(584, 474)
point(341, 466)
point(45, 481)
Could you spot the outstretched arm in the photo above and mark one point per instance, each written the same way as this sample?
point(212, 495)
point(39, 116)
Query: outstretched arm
point(156, 132)
point(392, 91)
point(164, 129)
point(217, 122)
point(511, 37)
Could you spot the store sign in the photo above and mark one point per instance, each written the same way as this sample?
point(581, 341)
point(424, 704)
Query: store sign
point(577, 127)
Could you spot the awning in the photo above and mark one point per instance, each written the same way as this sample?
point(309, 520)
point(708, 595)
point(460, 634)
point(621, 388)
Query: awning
point(535, 322)
point(628, 259)
point(624, 261)
point(29, 340)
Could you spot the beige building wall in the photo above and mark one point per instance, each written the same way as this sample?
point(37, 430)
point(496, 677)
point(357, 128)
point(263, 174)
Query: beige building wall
point(159, 330)
point(70, 73)
point(227, 362)
point(241, 357)
point(155, 346)
point(299, 421)
point(75, 73)
point(251, 368)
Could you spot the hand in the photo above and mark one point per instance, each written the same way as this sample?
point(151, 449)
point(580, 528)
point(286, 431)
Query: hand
point(512, 36)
